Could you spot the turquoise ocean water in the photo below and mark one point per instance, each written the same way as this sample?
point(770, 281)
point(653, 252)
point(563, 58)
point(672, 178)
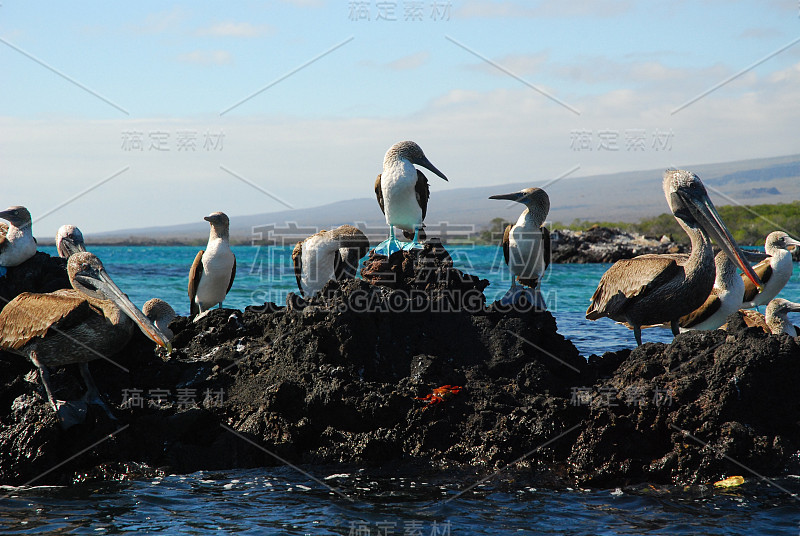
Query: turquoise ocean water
point(285, 501)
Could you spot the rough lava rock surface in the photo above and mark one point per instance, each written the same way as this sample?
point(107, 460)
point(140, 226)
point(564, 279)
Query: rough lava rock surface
point(335, 380)
point(601, 244)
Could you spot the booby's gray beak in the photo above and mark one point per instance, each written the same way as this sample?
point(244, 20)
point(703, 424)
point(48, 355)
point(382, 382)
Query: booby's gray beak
point(210, 219)
point(792, 307)
point(707, 216)
point(102, 282)
point(424, 162)
point(791, 242)
point(516, 196)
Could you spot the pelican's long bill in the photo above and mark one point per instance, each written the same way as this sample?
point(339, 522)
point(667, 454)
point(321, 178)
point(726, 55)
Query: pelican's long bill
point(101, 281)
point(706, 214)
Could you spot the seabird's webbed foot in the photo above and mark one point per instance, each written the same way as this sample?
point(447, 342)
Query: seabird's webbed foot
point(70, 412)
point(521, 295)
point(3, 271)
point(414, 244)
point(92, 395)
point(389, 246)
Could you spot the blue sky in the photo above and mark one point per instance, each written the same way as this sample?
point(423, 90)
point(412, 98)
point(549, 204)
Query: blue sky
point(615, 70)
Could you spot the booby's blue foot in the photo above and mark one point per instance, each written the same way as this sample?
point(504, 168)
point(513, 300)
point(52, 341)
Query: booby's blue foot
point(389, 246)
point(70, 413)
point(414, 244)
point(520, 294)
point(3, 271)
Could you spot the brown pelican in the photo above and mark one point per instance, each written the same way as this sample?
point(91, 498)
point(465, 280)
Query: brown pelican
point(95, 320)
point(773, 271)
point(17, 243)
point(526, 244)
point(69, 240)
point(402, 192)
point(328, 255)
point(777, 318)
point(213, 269)
point(161, 314)
point(654, 289)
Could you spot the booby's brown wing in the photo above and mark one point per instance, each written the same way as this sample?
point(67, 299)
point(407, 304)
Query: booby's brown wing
point(32, 315)
point(194, 281)
point(506, 238)
point(233, 275)
point(628, 279)
point(3, 233)
point(764, 271)
point(423, 192)
point(297, 254)
point(702, 313)
point(379, 193)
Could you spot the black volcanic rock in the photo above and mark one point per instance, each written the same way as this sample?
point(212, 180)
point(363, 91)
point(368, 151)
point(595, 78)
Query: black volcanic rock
point(337, 379)
point(601, 244)
point(40, 273)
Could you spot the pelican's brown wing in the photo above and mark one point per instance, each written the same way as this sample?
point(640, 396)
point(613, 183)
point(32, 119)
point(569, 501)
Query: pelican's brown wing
point(423, 192)
point(702, 313)
point(626, 280)
point(764, 272)
point(195, 274)
point(233, 275)
point(297, 254)
point(32, 315)
point(546, 245)
point(379, 193)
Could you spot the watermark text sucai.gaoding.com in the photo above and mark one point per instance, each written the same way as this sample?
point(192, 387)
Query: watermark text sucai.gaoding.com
point(613, 140)
point(168, 141)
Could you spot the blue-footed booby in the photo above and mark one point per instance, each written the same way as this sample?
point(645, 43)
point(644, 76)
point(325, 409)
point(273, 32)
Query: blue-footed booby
point(777, 316)
point(657, 289)
point(328, 255)
point(213, 269)
point(69, 240)
point(93, 320)
point(402, 192)
point(161, 314)
point(774, 271)
point(724, 300)
point(526, 244)
point(17, 243)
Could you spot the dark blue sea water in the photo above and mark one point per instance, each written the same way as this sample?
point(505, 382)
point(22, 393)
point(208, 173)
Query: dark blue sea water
point(322, 501)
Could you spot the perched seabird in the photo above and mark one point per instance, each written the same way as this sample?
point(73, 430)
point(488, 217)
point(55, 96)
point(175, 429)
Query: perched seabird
point(724, 300)
point(777, 316)
point(773, 271)
point(654, 289)
point(213, 269)
point(402, 192)
point(526, 244)
point(17, 243)
point(69, 240)
point(93, 320)
point(161, 314)
point(328, 255)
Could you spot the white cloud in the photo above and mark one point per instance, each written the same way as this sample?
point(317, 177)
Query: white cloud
point(543, 8)
point(236, 29)
point(207, 57)
point(409, 62)
point(161, 22)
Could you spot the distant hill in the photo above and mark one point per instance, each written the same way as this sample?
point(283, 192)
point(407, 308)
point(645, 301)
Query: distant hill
point(626, 197)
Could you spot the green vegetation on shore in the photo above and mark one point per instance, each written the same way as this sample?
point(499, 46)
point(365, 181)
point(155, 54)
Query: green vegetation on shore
point(749, 224)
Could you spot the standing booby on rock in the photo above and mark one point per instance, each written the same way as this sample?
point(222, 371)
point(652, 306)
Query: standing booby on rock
point(777, 316)
point(213, 269)
point(773, 271)
point(69, 240)
point(17, 243)
point(93, 320)
point(161, 314)
point(402, 192)
point(654, 289)
point(328, 255)
point(724, 300)
point(526, 244)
